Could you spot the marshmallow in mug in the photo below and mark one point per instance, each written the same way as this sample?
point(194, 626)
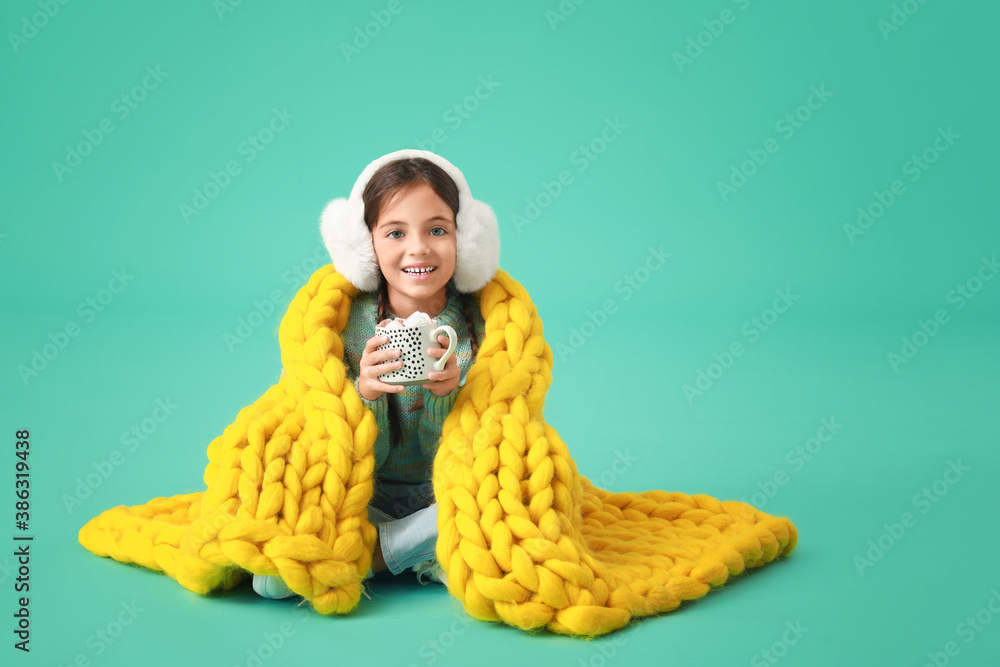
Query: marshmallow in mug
point(415, 320)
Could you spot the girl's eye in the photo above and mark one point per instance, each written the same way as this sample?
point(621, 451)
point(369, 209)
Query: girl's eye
point(395, 231)
point(443, 231)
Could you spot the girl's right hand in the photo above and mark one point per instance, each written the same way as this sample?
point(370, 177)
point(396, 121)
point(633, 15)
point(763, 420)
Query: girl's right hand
point(369, 385)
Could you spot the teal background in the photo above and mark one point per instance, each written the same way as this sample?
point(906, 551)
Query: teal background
point(618, 385)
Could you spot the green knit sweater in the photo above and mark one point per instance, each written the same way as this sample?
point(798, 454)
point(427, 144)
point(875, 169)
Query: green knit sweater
point(410, 461)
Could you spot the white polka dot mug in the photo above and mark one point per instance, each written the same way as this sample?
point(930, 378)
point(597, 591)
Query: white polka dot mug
point(414, 342)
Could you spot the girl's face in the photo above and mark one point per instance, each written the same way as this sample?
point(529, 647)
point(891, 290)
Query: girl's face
point(416, 229)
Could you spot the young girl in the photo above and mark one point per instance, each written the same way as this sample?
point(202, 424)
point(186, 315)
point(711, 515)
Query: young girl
point(433, 246)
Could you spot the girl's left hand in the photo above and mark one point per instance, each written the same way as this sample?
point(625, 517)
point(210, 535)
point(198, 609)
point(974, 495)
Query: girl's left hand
point(444, 381)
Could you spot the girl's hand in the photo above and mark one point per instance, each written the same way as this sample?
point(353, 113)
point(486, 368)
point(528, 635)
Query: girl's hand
point(369, 385)
point(443, 382)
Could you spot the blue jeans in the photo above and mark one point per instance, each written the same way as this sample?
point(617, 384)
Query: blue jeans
point(406, 518)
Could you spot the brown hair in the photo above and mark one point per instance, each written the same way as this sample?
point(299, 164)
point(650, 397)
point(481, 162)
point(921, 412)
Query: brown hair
point(390, 180)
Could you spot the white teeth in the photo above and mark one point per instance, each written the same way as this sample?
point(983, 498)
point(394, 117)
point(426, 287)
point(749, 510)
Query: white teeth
point(419, 270)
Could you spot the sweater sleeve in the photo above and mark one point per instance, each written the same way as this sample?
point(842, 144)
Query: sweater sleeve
point(436, 410)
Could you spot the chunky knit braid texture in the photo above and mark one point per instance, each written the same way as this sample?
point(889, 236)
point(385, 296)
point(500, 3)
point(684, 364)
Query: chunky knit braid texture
point(524, 538)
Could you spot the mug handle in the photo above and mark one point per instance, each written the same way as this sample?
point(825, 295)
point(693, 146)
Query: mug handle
point(452, 342)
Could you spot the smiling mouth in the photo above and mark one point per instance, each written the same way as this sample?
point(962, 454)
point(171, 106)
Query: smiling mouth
point(420, 272)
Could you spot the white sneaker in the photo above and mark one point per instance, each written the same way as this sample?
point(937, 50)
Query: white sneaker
point(271, 587)
point(432, 570)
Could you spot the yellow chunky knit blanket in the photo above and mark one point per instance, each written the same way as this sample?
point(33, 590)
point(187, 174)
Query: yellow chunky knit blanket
point(525, 539)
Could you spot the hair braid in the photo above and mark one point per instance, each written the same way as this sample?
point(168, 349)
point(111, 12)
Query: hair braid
point(395, 434)
point(467, 302)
